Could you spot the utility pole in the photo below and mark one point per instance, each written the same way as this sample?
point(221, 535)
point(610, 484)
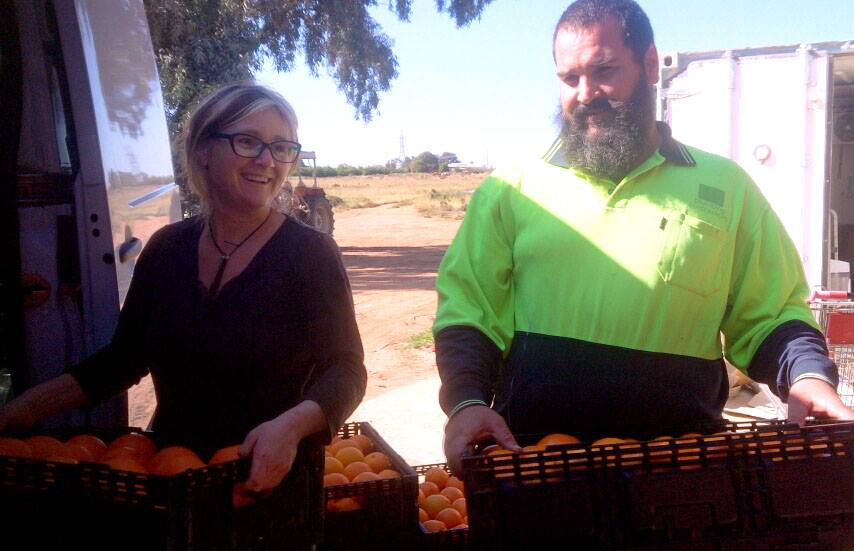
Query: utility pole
point(402, 152)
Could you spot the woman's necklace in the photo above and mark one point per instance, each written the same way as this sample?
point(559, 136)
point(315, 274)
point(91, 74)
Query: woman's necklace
point(224, 258)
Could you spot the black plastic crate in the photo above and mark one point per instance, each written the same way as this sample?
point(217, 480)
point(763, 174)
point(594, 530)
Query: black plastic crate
point(388, 513)
point(447, 540)
point(721, 485)
point(46, 504)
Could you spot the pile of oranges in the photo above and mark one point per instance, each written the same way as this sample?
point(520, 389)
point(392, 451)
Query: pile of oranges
point(132, 452)
point(441, 501)
point(351, 460)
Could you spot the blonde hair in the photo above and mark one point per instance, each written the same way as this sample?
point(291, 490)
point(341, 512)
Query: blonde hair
point(222, 108)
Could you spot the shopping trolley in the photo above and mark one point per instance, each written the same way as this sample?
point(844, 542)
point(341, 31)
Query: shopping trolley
point(834, 311)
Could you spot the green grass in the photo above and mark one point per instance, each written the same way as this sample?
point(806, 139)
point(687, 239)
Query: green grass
point(421, 340)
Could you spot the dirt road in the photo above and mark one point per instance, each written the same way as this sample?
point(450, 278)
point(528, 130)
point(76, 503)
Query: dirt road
point(391, 254)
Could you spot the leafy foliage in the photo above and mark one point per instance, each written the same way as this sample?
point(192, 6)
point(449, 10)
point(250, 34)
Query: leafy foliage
point(202, 44)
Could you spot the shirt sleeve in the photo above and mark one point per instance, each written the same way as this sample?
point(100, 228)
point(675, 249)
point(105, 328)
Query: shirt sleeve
point(121, 364)
point(794, 350)
point(339, 377)
point(475, 288)
point(768, 290)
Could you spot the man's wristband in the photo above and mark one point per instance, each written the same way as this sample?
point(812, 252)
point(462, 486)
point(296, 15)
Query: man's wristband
point(464, 404)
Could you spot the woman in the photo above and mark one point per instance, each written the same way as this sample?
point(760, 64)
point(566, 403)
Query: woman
point(243, 316)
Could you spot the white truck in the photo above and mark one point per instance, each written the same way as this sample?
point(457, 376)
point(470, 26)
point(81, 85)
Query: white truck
point(87, 173)
point(786, 115)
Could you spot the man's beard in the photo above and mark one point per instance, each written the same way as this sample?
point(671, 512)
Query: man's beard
point(620, 138)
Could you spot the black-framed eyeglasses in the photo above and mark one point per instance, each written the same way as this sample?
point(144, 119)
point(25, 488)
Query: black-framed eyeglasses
point(246, 145)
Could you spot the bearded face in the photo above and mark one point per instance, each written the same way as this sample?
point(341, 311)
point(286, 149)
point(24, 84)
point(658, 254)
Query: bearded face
point(608, 138)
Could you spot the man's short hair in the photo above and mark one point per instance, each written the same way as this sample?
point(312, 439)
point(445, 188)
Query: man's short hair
point(633, 22)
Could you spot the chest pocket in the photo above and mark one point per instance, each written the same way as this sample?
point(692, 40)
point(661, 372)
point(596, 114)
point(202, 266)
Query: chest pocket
point(693, 255)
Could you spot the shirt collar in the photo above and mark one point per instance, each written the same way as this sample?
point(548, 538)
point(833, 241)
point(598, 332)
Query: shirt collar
point(673, 151)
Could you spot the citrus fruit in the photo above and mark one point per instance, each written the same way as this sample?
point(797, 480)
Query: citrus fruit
point(141, 444)
point(460, 505)
point(95, 445)
point(452, 493)
point(450, 517)
point(125, 463)
point(45, 446)
point(557, 439)
point(608, 441)
point(388, 473)
point(223, 455)
point(335, 479)
point(77, 451)
point(173, 460)
point(346, 504)
point(349, 455)
point(240, 496)
point(422, 515)
point(356, 468)
point(377, 461)
point(13, 447)
point(429, 488)
point(365, 477)
point(454, 482)
point(335, 447)
point(421, 497)
point(435, 503)
point(437, 476)
point(332, 465)
point(365, 444)
point(434, 526)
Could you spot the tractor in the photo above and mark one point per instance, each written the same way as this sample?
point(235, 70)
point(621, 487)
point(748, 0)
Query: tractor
point(309, 203)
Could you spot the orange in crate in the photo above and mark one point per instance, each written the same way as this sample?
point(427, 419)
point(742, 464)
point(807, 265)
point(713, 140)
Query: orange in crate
point(450, 517)
point(95, 445)
point(435, 503)
point(224, 455)
point(174, 460)
point(377, 461)
point(13, 447)
point(125, 463)
point(45, 446)
point(141, 444)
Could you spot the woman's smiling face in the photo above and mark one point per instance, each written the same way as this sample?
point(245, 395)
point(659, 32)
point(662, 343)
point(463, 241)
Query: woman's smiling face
point(242, 184)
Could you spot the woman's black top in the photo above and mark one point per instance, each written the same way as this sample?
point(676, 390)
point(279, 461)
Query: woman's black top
point(282, 331)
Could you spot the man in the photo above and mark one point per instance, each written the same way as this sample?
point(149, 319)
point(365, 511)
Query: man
point(586, 292)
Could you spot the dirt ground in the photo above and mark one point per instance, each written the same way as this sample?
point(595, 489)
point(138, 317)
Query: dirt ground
point(392, 254)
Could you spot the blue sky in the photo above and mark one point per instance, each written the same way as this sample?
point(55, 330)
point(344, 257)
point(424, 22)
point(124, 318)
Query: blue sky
point(488, 92)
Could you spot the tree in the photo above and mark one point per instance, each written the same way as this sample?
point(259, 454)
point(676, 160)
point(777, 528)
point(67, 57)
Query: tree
point(202, 44)
point(425, 162)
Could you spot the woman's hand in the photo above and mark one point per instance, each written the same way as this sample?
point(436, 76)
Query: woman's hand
point(273, 444)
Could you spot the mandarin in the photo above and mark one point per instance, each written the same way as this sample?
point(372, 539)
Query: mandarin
point(607, 441)
point(335, 447)
point(141, 444)
point(557, 439)
point(125, 463)
point(437, 476)
point(422, 515)
point(345, 504)
point(95, 445)
point(365, 477)
point(388, 473)
point(45, 446)
point(224, 455)
point(451, 493)
point(13, 447)
point(435, 503)
point(421, 497)
point(429, 488)
point(77, 451)
point(355, 468)
point(454, 482)
point(450, 517)
point(349, 455)
point(335, 479)
point(174, 460)
point(378, 461)
point(434, 526)
point(332, 465)
point(364, 442)
point(460, 505)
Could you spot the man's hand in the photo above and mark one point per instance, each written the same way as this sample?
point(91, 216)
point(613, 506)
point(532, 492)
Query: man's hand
point(816, 398)
point(470, 425)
